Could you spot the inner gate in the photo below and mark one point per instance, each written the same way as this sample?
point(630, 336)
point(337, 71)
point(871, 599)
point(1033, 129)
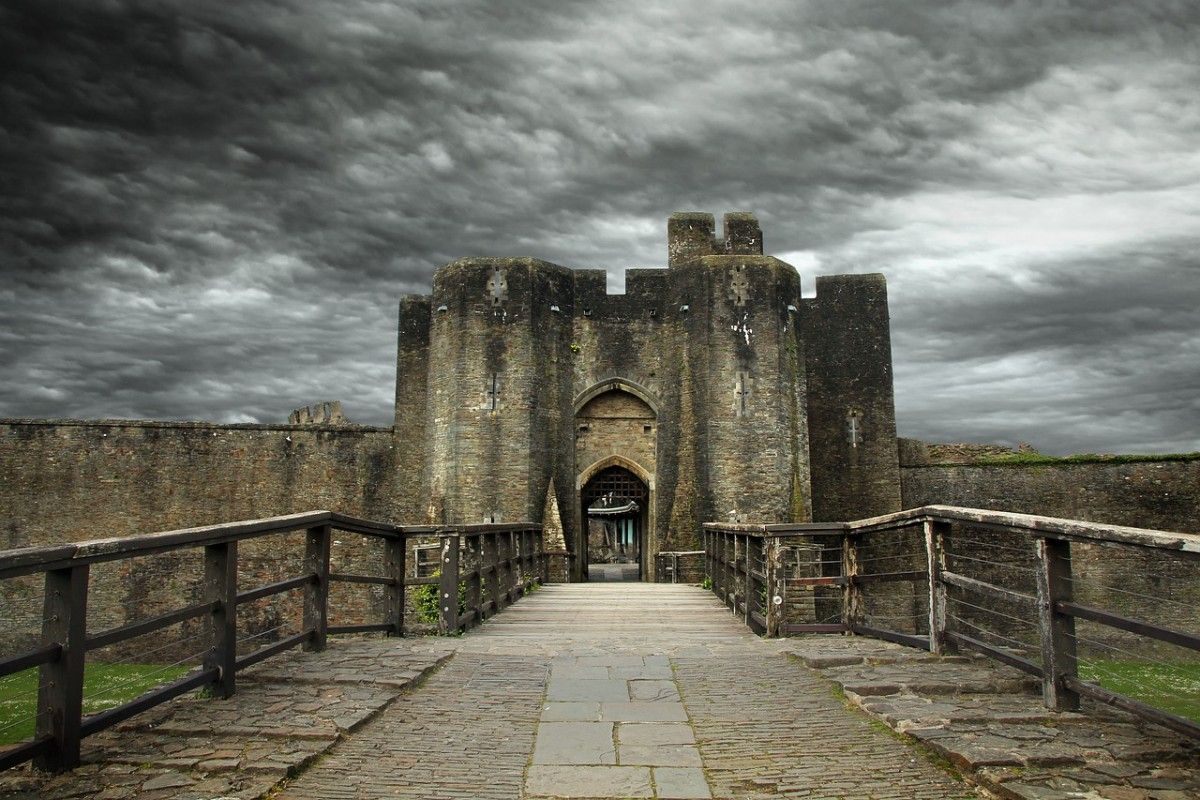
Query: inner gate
point(616, 510)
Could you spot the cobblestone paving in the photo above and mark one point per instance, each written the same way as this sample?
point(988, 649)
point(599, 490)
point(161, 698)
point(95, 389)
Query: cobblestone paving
point(989, 721)
point(467, 732)
point(787, 735)
point(712, 710)
point(614, 691)
point(283, 716)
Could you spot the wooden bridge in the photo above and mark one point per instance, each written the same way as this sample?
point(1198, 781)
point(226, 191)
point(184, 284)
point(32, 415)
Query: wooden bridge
point(625, 689)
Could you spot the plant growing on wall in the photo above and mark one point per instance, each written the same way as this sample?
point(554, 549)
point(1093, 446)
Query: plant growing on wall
point(426, 596)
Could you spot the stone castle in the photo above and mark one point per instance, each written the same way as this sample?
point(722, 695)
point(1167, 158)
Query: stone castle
point(710, 390)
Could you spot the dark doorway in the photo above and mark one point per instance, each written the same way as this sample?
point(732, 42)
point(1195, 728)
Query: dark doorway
point(615, 509)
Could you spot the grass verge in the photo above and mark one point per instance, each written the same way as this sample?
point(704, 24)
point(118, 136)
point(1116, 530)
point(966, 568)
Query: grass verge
point(1174, 688)
point(104, 686)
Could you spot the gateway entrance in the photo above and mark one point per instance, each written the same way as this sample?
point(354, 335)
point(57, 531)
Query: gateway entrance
point(615, 510)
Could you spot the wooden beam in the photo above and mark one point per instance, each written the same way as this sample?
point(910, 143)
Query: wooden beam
point(220, 589)
point(1057, 629)
point(60, 696)
point(316, 593)
point(395, 552)
point(448, 600)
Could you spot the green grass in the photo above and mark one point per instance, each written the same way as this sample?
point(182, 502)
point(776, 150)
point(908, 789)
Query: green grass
point(1039, 459)
point(1173, 688)
point(104, 686)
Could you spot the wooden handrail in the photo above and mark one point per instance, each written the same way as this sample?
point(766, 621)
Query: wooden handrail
point(1052, 611)
point(518, 561)
point(1052, 527)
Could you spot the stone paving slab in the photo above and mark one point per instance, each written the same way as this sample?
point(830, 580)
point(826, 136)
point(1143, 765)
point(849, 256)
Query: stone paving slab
point(453, 738)
point(196, 748)
point(998, 733)
point(271, 709)
point(588, 782)
point(614, 691)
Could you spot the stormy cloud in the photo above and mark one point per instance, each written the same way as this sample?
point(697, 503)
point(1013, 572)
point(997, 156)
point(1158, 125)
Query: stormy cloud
point(209, 210)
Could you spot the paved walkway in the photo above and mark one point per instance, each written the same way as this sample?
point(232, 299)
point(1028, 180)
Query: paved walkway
point(615, 691)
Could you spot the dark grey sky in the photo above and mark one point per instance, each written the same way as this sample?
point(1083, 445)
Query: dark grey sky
point(208, 210)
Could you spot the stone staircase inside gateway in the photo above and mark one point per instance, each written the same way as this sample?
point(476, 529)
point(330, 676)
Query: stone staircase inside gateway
point(938, 652)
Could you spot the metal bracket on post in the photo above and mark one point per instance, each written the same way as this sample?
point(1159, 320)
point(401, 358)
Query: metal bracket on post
point(935, 554)
point(1057, 630)
point(60, 698)
point(448, 594)
point(316, 593)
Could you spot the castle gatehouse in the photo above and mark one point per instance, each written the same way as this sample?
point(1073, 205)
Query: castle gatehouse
point(710, 389)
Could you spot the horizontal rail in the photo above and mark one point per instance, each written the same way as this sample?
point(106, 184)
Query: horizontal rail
point(264, 653)
point(1186, 544)
point(909, 639)
point(1052, 612)
point(45, 654)
point(1126, 624)
point(1167, 720)
point(20, 753)
point(279, 587)
point(973, 585)
point(836, 580)
point(815, 627)
point(890, 577)
point(106, 719)
point(367, 628)
point(365, 527)
point(134, 629)
point(1003, 656)
point(341, 577)
point(29, 560)
point(516, 554)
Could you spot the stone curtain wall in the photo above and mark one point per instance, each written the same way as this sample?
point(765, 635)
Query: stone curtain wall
point(1164, 494)
point(63, 481)
point(1159, 494)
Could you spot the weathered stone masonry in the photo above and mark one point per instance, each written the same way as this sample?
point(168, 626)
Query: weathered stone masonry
point(507, 377)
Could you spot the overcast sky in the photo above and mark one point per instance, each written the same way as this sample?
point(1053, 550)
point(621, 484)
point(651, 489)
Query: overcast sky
point(208, 210)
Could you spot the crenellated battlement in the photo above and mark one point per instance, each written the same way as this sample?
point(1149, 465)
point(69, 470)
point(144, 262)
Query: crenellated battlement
point(739, 365)
point(692, 234)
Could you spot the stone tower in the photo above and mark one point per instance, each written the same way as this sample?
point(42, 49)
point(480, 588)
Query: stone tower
point(710, 390)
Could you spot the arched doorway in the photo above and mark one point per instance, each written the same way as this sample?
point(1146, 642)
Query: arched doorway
point(616, 507)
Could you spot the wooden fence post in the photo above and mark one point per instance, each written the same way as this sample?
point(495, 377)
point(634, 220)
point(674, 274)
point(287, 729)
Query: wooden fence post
point(543, 565)
point(729, 584)
point(395, 555)
point(852, 594)
point(491, 557)
point(60, 698)
point(220, 588)
point(474, 569)
point(449, 587)
point(935, 556)
point(1057, 630)
point(316, 592)
point(510, 577)
point(772, 567)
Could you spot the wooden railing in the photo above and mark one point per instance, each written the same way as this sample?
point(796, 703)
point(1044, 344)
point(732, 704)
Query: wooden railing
point(944, 578)
point(486, 568)
point(60, 722)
